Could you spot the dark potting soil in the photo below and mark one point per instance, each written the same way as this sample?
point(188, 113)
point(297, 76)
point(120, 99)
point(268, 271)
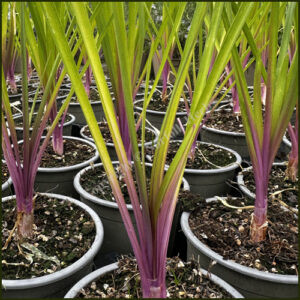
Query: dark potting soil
point(75, 152)
point(226, 231)
point(206, 156)
point(94, 97)
point(103, 126)
point(225, 120)
point(277, 182)
point(157, 104)
point(62, 233)
point(62, 92)
point(95, 182)
point(4, 173)
point(183, 280)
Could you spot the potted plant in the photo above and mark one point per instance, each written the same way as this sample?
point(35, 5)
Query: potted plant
point(209, 169)
point(92, 185)
point(23, 233)
point(263, 140)
point(91, 285)
point(154, 211)
point(57, 172)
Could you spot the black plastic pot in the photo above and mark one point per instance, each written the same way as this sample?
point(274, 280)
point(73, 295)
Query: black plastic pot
point(250, 282)
point(67, 127)
point(244, 188)
point(116, 236)
point(60, 179)
point(75, 109)
point(58, 99)
point(55, 285)
point(111, 147)
point(156, 118)
point(211, 182)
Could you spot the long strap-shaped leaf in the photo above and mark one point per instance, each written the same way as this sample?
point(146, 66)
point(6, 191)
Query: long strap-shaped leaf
point(62, 45)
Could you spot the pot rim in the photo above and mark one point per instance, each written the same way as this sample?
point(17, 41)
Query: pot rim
point(224, 169)
point(6, 184)
point(89, 278)
point(79, 264)
point(219, 131)
point(103, 202)
point(72, 293)
point(241, 183)
point(57, 98)
point(287, 279)
point(154, 142)
point(74, 167)
point(286, 141)
point(19, 115)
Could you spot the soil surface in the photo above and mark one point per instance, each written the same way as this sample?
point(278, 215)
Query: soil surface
point(277, 182)
point(95, 182)
point(206, 156)
point(62, 92)
point(225, 120)
point(103, 126)
point(226, 231)
point(183, 280)
point(94, 96)
point(75, 152)
point(62, 233)
point(157, 104)
point(4, 173)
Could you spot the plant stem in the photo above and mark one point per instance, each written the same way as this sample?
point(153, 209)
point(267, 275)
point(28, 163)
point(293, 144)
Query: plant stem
point(259, 222)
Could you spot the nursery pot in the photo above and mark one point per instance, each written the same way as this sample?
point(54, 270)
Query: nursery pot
point(116, 239)
point(244, 188)
point(15, 97)
point(211, 182)
point(58, 283)
point(75, 109)
point(111, 147)
point(60, 180)
point(233, 140)
point(250, 282)
point(67, 126)
point(156, 118)
point(58, 99)
point(85, 281)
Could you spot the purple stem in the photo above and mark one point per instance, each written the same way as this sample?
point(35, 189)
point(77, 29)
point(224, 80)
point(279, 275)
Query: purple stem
point(11, 74)
point(88, 78)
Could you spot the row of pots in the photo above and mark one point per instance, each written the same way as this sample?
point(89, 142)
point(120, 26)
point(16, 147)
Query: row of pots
point(233, 140)
point(289, 283)
point(249, 282)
